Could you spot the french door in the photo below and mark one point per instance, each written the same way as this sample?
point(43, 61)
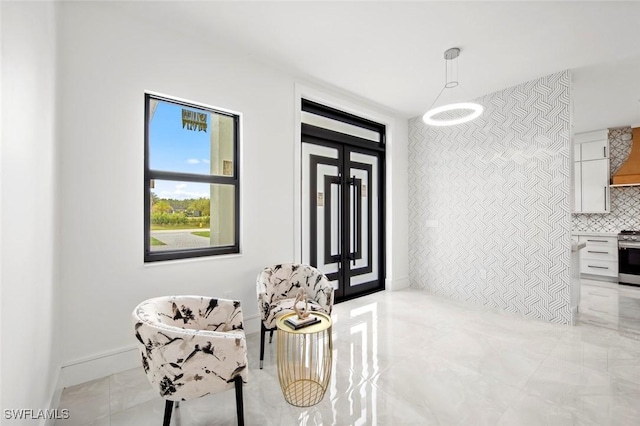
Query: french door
point(342, 211)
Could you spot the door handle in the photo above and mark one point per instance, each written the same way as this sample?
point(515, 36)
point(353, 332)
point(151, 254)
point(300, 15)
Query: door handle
point(353, 250)
point(625, 245)
point(339, 227)
point(358, 217)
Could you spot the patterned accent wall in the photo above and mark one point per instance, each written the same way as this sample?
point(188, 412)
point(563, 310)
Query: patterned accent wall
point(625, 201)
point(498, 190)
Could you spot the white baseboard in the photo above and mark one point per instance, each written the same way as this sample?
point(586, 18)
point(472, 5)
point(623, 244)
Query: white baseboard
point(397, 283)
point(116, 361)
point(99, 365)
point(252, 324)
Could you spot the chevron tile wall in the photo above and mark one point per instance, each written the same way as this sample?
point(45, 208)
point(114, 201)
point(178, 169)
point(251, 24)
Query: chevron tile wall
point(625, 201)
point(499, 190)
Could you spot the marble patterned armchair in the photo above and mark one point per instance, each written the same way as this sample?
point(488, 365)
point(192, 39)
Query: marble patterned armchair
point(192, 346)
point(277, 287)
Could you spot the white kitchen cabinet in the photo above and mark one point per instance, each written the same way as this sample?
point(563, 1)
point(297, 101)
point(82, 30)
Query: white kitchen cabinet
point(604, 268)
point(600, 256)
point(599, 138)
point(594, 177)
point(591, 172)
point(594, 150)
point(577, 188)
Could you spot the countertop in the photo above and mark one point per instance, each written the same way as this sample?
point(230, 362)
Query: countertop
point(595, 234)
point(578, 246)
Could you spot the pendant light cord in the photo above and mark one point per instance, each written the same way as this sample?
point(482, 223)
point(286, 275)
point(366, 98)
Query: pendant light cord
point(447, 79)
point(451, 74)
point(438, 97)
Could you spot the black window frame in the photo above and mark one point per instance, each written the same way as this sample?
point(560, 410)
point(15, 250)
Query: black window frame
point(150, 174)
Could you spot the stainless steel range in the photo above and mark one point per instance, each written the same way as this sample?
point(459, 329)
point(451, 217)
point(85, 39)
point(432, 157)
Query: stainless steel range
point(629, 257)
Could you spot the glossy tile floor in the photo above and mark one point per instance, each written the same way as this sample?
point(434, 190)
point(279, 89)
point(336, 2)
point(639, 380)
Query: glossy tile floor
point(411, 358)
point(610, 305)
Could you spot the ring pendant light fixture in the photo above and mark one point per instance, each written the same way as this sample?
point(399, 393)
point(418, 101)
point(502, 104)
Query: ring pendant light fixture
point(459, 108)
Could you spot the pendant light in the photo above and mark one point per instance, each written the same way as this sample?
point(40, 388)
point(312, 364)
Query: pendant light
point(460, 112)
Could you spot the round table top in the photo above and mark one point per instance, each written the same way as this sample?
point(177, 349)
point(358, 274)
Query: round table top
point(325, 323)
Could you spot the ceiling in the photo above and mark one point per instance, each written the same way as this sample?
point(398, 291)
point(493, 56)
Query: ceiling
point(391, 52)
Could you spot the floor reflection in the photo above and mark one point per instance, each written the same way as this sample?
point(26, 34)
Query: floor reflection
point(411, 358)
point(610, 305)
point(629, 310)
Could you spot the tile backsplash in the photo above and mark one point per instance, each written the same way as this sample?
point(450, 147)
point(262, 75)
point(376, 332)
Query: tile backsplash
point(625, 201)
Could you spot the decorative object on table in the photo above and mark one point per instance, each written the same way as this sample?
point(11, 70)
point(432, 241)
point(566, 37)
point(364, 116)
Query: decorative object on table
point(297, 322)
point(278, 286)
point(192, 346)
point(301, 297)
point(304, 359)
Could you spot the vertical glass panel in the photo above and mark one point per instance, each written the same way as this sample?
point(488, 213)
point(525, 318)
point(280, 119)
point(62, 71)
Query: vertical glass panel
point(327, 208)
point(360, 217)
point(320, 208)
point(189, 215)
point(190, 140)
point(365, 170)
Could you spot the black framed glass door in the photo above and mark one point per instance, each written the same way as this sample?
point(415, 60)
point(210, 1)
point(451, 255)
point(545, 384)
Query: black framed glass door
point(343, 211)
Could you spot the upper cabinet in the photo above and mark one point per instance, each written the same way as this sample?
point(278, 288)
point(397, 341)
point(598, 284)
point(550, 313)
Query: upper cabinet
point(591, 145)
point(591, 172)
point(595, 186)
point(595, 150)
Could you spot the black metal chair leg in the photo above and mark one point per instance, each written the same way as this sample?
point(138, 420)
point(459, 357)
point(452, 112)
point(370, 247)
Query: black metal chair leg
point(270, 336)
point(239, 404)
point(168, 408)
point(263, 330)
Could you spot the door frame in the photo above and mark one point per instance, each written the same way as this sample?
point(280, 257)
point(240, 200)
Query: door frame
point(347, 144)
point(375, 121)
point(395, 264)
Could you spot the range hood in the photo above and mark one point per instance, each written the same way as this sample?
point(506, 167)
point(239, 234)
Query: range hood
point(629, 173)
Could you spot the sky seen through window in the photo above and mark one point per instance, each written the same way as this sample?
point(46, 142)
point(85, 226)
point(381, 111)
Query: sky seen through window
point(177, 149)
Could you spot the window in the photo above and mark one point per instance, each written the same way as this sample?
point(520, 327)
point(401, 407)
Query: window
point(191, 184)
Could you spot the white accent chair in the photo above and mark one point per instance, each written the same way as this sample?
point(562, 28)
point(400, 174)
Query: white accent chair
point(192, 346)
point(277, 287)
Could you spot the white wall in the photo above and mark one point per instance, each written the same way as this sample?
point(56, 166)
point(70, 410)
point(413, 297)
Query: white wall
point(31, 344)
point(107, 61)
point(1, 157)
point(398, 207)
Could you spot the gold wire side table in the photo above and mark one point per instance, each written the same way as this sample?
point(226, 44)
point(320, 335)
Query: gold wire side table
point(304, 360)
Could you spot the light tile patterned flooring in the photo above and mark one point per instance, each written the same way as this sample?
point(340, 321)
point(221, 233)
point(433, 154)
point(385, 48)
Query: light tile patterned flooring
point(411, 358)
